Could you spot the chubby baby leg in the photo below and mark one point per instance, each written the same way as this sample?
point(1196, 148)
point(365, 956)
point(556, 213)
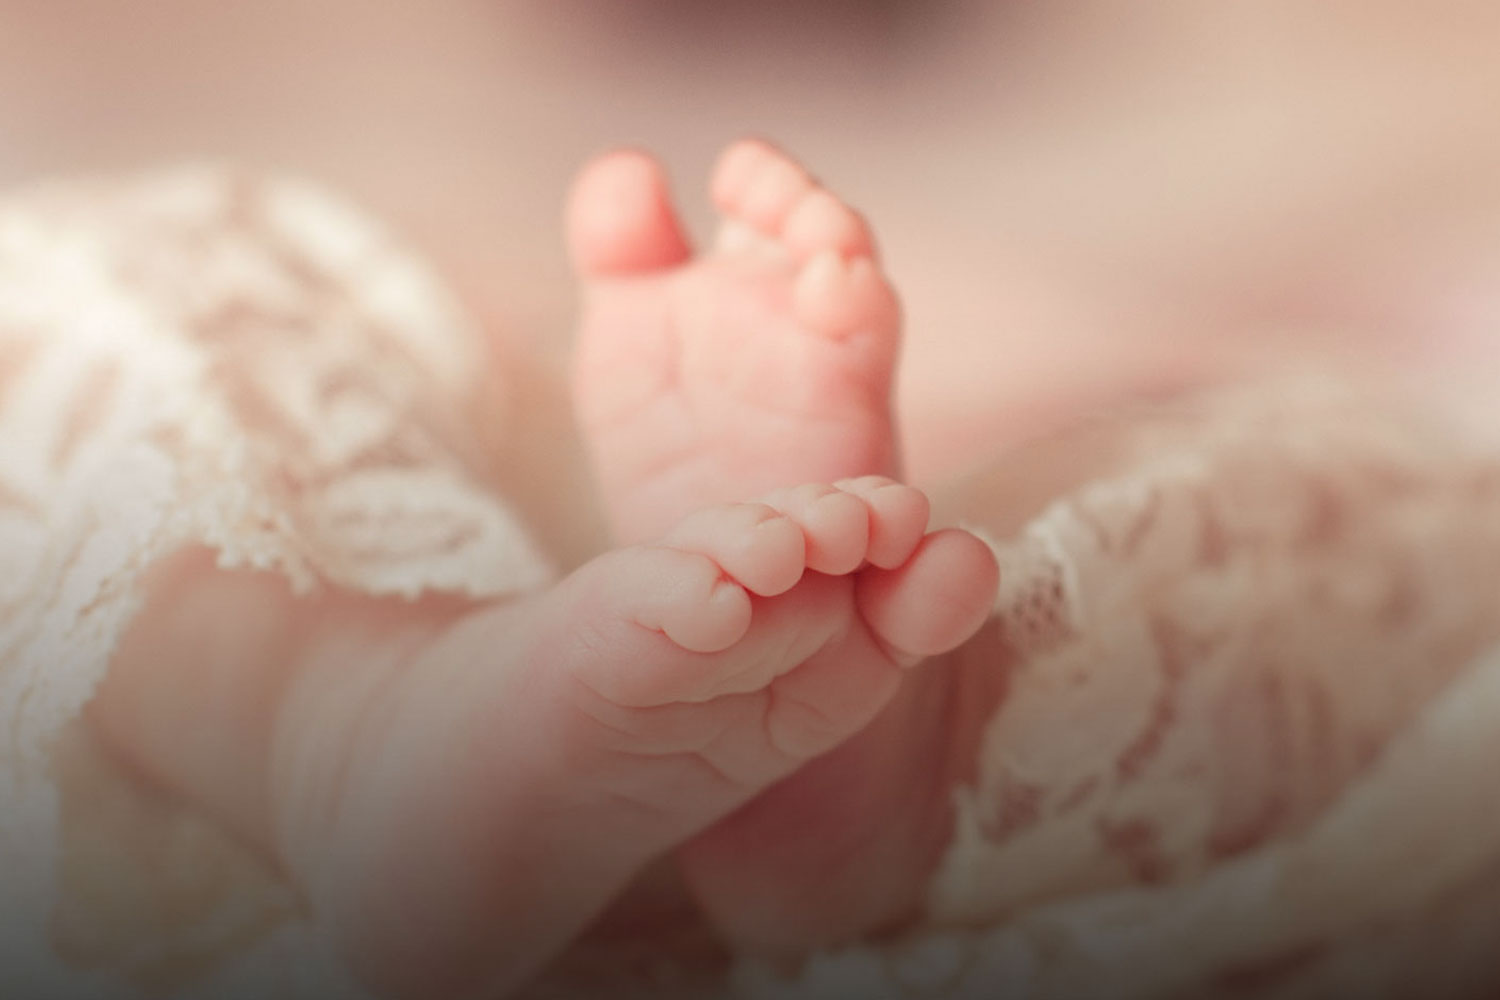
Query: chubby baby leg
point(458, 790)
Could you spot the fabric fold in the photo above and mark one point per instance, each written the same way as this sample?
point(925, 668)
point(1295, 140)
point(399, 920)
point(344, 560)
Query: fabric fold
point(202, 358)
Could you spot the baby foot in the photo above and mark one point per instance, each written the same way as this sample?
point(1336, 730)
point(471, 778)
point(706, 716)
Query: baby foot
point(457, 817)
point(767, 360)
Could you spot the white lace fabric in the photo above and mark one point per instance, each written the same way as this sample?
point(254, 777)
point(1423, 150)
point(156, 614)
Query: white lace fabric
point(199, 358)
point(1249, 731)
point(1248, 741)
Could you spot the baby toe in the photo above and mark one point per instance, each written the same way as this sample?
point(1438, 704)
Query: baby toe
point(898, 518)
point(737, 165)
point(756, 545)
point(835, 525)
point(819, 221)
point(682, 596)
point(839, 298)
point(775, 188)
point(707, 619)
point(620, 218)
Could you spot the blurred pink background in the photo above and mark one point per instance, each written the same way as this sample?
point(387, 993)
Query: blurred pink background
point(1079, 202)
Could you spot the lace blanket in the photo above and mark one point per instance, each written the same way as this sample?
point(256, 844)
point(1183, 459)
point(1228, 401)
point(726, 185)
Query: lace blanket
point(1249, 730)
point(1247, 738)
point(201, 358)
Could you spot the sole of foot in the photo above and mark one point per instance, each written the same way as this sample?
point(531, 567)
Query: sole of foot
point(708, 377)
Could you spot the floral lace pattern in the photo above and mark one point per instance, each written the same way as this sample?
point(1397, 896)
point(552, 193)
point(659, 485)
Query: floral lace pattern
point(1250, 702)
point(204, 358)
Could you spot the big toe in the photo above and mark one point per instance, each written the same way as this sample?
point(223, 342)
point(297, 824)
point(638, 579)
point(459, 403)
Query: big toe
point(934, 601)
point(620, 217)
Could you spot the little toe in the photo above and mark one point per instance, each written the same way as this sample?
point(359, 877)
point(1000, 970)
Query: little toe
point(820, 221)
point(898, 518)
point(936, 600)
point(732, 174)
point(835, 525)
point(681, 596)
point(684, 596)
point(620, 219)
point(756, 545)
point(840, 298)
